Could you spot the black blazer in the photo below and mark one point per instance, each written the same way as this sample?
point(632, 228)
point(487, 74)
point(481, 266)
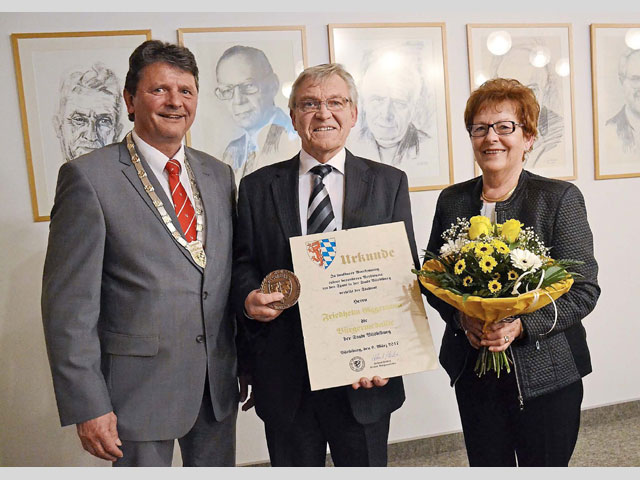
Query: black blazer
point(268, 215)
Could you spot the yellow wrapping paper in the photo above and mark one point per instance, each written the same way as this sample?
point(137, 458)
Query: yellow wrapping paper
point(495, 309)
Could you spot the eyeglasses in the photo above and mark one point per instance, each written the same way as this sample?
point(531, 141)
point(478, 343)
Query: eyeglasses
point(506, 127)
point(226, 92)
point(333, 105)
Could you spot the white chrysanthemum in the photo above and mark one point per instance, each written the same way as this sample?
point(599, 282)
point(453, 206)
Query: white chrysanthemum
point(451, 247)
point(525, 260)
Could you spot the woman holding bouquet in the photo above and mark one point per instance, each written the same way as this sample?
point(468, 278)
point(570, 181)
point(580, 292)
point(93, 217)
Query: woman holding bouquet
point(531, 416)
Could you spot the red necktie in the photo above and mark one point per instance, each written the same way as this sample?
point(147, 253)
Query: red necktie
point(184, 210)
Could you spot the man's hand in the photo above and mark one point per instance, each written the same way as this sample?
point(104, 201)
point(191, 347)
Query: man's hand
point(256, 305)
point(99, 437)
point(245, 381)
point(364, 382)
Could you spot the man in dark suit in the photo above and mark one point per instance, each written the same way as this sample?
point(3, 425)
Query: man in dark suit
point(139, 330)
point(353, 420)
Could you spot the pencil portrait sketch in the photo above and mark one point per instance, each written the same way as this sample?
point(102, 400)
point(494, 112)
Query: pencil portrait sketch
point(626, 122)
point(70, 91)
point(538, 57)
point(615, 55)
point(246, 75)
point(516, 64)
point(395, 109)
point(89, 110)
point(247, 86)
point(402, 105)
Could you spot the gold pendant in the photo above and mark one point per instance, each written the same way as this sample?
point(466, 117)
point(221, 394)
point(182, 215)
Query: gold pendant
point(197, 253)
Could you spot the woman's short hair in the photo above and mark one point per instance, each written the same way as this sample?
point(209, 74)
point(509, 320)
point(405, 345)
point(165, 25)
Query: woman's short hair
point(497, 90)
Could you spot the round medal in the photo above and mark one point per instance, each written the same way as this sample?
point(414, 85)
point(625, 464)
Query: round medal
point(285, 282)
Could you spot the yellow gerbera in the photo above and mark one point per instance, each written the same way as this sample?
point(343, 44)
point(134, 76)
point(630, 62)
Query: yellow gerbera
point(500, 246)
point(494, 286)
point(512, 274)
point(460, 266)
point(496, 276)
point(469, 246)
point(487, 263)
point(466, 281)
point(483, 249)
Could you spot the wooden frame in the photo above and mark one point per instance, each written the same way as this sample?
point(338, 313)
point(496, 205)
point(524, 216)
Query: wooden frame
point(400, 70)
point(540, 56)
point(63, 79)
point(615, 80)
point(256, 130)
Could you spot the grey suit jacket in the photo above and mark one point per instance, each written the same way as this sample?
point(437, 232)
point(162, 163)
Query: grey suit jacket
point(268, 216)
point(132, 323)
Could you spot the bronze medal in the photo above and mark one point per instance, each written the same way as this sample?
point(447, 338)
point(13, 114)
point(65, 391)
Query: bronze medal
point(285, 282)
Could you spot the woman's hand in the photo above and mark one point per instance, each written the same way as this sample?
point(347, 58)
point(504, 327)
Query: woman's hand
point(500, 335)
point(472, 329)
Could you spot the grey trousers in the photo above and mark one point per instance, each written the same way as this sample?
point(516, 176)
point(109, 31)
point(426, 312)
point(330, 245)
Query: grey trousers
point(209, 443)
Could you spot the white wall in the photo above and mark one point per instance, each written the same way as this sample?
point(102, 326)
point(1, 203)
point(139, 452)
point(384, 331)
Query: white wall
point(30, 434)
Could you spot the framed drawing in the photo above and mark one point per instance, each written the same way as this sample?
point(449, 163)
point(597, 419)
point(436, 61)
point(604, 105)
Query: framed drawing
point(615, 72)
point(400, 70)
point(541, 57)
point(70, 92)
point(246, 75)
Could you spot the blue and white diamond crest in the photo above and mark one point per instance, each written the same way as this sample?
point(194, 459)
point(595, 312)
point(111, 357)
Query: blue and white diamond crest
point(328, 250)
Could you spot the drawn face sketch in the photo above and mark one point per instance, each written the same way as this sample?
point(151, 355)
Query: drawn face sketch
point(516, 64)
point(89, 112)
point(390, 88)
point(247, 86)
point(631, 82)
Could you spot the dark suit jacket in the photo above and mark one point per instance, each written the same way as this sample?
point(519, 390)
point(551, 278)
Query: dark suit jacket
point(268, 215)
point(132, 323)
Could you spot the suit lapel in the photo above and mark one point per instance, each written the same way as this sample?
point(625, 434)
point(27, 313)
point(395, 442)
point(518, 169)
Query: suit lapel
point(132, 175)
point(285, 196)
point(358, 187)
point(209, 192)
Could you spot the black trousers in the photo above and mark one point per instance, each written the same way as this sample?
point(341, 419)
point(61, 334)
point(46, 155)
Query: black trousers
point(325, 417)
point(498, 433)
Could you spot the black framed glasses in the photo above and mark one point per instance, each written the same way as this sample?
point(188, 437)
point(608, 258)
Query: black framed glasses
point(226, 92)
point(505, 127)
point(336, 104)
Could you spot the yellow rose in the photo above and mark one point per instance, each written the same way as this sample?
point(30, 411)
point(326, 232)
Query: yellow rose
point(477, 229)
point(480, 219)
point(511, 230)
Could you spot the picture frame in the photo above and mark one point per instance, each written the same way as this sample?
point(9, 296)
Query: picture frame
point(541, 57)
point(400, 71)
point(255, 68)
point(70, 94)
point(615, 81)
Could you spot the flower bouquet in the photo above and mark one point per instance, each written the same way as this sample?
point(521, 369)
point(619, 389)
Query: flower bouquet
point(492, 272)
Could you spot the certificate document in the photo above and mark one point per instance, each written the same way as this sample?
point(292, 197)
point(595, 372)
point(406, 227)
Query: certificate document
point(360, 305)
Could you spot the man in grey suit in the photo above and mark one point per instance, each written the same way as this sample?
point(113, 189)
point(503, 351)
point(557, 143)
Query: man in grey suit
point(329, 189)
point(139, 330)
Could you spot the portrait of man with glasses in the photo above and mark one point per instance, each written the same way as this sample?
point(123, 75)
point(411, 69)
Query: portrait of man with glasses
point(625, 124)
point(247, 86)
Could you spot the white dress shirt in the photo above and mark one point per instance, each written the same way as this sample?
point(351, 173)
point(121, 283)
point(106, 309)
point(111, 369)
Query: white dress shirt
point(334, 183)
point(157, 161)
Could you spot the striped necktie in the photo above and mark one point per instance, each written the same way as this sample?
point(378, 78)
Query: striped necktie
point(184, 209)
point(320, 214)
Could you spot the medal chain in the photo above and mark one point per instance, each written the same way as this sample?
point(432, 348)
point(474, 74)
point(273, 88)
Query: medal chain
point(195, 248)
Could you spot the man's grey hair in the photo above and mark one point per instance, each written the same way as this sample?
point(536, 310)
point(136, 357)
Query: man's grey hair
point(624, 60)
point(319, 73)
point(97, 77)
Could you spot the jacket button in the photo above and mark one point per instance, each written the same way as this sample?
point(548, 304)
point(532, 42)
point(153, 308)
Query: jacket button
point(205, 295)
point(200, 338)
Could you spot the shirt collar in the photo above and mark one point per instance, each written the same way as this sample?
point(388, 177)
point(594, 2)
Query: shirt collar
point(307, 162)
point(155, 157)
